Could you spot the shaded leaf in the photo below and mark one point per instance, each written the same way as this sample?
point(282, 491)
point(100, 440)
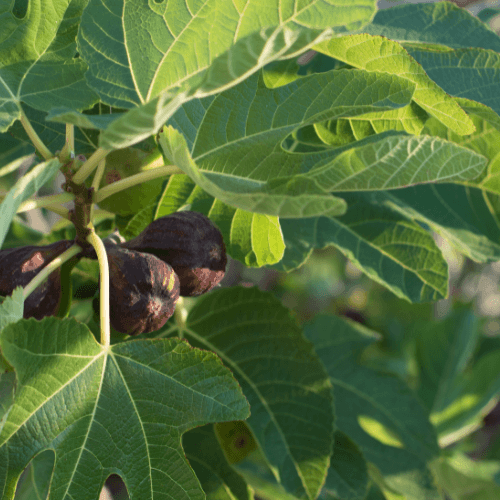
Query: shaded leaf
point(463, 483)
point(218, 480)
point(384, 243)
point(348, 474)
point(35, 483)
point(377, 411)
point(460, 214)
point(434, 23)
point(281, 376)
point(443, 351)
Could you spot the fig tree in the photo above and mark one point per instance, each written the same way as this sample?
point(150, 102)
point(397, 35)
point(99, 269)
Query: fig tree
point(18, 266)
point(191, 243)
point(143, 291)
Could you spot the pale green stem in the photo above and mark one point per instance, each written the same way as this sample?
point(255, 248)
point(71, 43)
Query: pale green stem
point(145, 176)
point(90, 165)
point(180, 316)
point(96, 181)
point(45, 201)
point(59, 210)
point(35, 139)
point(70, 136)
point(102, 258)
point(49, 268)
point(69, 147)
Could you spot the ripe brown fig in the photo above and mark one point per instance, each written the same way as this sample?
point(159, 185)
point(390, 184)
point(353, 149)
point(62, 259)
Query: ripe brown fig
point(18, 266)
point(191, 243)
point(143, 291)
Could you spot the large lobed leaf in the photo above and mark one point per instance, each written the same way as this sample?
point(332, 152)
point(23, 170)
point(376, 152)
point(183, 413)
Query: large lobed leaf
point(122, 409)
point(222, 134)
point(192, 49)
point(388, 246)
point(281, 376)
point(384, 233)
point(129, 68)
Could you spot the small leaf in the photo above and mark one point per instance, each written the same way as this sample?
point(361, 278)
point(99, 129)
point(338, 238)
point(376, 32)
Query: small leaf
point(254, 239)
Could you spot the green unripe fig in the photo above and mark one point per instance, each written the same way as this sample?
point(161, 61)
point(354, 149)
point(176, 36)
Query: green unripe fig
point(123, 163)
point(192, 244)
point(143, 291)
point(18, 266)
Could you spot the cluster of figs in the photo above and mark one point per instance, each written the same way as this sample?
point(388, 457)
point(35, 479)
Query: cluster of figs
point(182, 254)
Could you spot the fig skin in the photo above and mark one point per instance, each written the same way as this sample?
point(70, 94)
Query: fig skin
point(143, 291)
point(18, 266)
point(192, 244)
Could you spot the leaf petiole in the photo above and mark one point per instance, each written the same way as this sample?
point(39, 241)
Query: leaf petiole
point(180, 316)
point(45, 201)
point(96, 181)
point(102, 258)
point(90, 165)
point(139, 178)
point(68, 151)
point(35, 139)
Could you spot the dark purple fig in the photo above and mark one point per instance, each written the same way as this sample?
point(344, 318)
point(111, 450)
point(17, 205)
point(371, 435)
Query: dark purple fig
point(354, 315)
point(18, 266)
point(143, 291)
point(191, 243)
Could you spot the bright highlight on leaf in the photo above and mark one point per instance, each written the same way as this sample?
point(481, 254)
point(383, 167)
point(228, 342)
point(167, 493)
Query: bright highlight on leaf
point(377, 430)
